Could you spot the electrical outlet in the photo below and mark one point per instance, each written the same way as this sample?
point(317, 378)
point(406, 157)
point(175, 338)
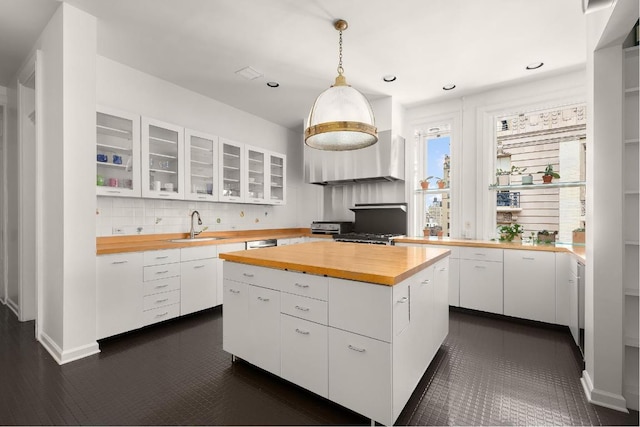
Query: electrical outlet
point(117, 230)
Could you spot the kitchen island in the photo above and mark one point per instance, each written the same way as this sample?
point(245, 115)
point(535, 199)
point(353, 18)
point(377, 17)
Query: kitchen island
point(356, 324)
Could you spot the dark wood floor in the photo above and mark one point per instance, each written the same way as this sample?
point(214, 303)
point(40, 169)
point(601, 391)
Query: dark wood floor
point(489, 372)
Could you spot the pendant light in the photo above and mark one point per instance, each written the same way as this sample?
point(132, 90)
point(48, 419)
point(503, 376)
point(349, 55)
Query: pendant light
point(341, 117)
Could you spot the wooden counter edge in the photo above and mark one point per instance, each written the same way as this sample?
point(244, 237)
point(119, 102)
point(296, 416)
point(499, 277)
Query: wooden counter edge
point(377, 279)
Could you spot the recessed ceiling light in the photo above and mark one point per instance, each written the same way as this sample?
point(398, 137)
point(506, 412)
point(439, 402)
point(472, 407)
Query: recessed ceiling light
point(273, 84)
point(535, 65)
point(389, 78)
point(450, 86)
point(249, 73)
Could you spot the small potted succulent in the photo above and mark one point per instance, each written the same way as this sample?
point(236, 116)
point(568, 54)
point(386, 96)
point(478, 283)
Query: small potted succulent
point(510, 232)
point(579, 235)
point(441, 183)
point(548, 174)
point(546, 236)
point(424, 183)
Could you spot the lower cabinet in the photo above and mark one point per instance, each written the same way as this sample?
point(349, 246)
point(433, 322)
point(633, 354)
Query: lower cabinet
point(236, 337)
point(360, 374)
point(161, 274)
point(119, 292)
point(198, 289)
point(481, 285)
point(264, 328)
point(304, 351)
point(530, 285)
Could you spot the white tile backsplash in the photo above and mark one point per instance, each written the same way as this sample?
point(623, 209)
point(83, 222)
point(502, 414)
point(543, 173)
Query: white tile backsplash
point(173, 216)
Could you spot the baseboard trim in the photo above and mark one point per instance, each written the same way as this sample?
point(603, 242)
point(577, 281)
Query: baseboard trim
point(66, 356)
point(602, 398)
point(13, 307)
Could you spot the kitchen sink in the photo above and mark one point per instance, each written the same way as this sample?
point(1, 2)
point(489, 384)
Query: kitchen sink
point(196, 239)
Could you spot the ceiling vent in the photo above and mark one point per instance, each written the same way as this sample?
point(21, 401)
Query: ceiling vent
point(249, 73)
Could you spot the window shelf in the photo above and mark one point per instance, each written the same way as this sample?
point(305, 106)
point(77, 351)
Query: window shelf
point(507, 209)
point(433, 191)
point(537, 186)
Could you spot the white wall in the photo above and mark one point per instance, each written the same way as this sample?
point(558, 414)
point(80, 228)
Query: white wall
point(12, 188)
point(128, 89)
point(473, 150)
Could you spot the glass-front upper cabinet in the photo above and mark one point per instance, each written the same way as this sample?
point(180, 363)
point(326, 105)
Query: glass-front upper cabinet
point(231, 187)
point(162, 167)
point(277, 179)
point(117, 153)
point(201, 166)
point(257, 161)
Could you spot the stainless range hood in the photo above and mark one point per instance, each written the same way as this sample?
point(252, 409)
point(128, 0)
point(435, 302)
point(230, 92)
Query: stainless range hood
point(383, 161)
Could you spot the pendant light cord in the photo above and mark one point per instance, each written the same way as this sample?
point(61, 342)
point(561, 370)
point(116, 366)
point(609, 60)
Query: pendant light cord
point(340, 69)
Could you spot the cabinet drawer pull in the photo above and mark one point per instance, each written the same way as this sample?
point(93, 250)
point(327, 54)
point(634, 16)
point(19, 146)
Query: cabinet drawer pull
point(480, 254)
point(300, 285)
point(247, 275)
point(426, 281)
point(529, 258)
point(162, 314)
point(302, 332)
point(162, 300)
point(302, 308)
point(162, 257)
point(198, 266)
point(161, 286)
point(233, 291)
point(263, 299)
point(119, 262)
point(113, 191)
point(359, 350)
point(479, 266)
point(201, 197)
point(163, 195)
point(443, 269)
point(403, 300)
point(162, 272)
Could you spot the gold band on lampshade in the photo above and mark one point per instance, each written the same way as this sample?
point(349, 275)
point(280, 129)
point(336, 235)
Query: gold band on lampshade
point(341, 127)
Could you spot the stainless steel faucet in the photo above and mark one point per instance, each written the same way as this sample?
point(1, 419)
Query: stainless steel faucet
point(193, 233)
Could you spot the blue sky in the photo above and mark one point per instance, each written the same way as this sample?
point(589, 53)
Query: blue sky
point(435, 151)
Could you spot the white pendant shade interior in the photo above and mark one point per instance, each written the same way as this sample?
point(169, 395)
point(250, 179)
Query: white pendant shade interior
point(341, 117)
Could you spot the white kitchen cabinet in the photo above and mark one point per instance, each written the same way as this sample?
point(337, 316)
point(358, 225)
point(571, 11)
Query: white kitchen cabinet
point(305, 308)
point(221, 249)
point(264, 328)
point(161, 275)
point(358, 370)
point(162, 160)
point(236, 335)
point(305, 354)
point(567, 294)
point(163, 256)
point(441, 295)
point(198, 290)
point(481, 285)
point(277, 178)
point(119, 293)
point(118, 153)
point(231, 180)
point(201, 166)
point(306, 285)
point(530, 285)
point(256, 175)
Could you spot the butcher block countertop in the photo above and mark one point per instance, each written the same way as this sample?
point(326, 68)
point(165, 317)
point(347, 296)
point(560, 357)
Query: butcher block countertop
point(151, 242)
point(379, 264)
point(577, 251)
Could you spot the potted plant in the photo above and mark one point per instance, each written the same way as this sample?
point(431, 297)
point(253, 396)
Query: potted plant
point(504, 176)
point(548, 174)
point(431, 230)
point(424, 183)
point(546, 236)
point(441, 183)
point(579, 235)
point(510, 232)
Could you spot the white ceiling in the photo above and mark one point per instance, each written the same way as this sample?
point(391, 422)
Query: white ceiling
point(199, 44)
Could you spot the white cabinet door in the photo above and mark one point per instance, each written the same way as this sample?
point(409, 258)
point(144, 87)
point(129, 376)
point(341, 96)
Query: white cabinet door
point(264, 328)
point(441, 296)
point(117, 153)
point(454, 282)
point(257, 175)
point(221, 249)
point(530, 285)
point(567, 294)
point(360, 374)
point(198, 285)
point(162, 160)
point(305, 354)
point(201, 166)
point(232, 174)
point(118, 294)
point(236, 338)
point(277, 179)
point(481, 285)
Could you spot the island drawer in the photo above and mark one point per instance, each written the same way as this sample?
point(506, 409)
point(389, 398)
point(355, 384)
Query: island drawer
point(161, 299)
point(162, 285)
point(305, 308)
point(164, 256)
point(253, 275)
point(307, 285)
point(159, 314)
point(482, 254)
point(155, 272)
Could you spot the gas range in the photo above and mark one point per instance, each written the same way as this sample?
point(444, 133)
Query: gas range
point(370, 238)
